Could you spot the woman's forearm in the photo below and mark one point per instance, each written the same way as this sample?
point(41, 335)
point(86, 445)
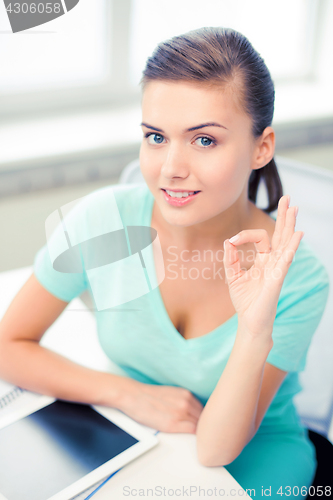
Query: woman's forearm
point(227, 422)
point(29, 365)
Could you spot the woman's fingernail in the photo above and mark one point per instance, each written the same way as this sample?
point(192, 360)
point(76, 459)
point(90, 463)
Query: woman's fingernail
point(296, 211)
point(234, 238)
point(288, 198)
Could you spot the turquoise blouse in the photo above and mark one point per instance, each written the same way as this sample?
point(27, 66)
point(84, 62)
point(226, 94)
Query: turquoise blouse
point(138, 334)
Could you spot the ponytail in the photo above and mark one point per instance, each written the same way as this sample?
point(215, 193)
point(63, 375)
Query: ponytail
point(270, 176)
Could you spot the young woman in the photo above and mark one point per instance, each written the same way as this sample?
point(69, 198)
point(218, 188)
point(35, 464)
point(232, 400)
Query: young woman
point(216, 348)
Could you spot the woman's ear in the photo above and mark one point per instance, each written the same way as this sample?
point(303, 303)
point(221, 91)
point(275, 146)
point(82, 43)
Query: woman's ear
point(264, 150)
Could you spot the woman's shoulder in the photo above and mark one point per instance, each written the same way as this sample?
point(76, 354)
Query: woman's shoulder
point(307, 273)
point(113, 202)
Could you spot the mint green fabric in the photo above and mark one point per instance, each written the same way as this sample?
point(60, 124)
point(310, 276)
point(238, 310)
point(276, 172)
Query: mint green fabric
point(276, 465)
point(139, 336)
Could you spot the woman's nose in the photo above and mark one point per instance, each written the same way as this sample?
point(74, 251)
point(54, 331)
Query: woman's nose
point(175, 164)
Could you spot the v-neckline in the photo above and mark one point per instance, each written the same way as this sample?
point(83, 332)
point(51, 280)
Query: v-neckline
point(160, 309)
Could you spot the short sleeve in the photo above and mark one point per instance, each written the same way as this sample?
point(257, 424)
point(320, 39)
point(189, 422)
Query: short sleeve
point(300, 308)
point(63, 285)
point(79, 243)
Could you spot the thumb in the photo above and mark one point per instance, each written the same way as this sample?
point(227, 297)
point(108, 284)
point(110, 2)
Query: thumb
point(186, 427)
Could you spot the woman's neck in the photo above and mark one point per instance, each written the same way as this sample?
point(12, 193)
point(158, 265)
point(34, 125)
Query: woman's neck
point(208, 234)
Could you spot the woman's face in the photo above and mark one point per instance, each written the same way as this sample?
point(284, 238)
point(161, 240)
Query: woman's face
point(195, 139)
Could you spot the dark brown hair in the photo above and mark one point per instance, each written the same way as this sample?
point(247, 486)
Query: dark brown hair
point(218, 56)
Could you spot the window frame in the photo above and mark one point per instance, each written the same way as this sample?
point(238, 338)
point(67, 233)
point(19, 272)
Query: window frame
point(114, 92)
point(117, 91)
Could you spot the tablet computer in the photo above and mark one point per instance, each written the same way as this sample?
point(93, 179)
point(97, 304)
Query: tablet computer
point(60, 449)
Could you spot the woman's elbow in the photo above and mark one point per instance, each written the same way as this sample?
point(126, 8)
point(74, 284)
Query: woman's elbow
point(209, 460)
point(221, 458)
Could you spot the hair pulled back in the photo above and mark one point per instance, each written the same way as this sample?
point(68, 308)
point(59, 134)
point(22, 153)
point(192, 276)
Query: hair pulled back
point(218, 56)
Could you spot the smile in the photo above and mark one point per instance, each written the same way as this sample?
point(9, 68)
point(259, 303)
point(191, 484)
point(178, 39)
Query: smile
point(178, 199)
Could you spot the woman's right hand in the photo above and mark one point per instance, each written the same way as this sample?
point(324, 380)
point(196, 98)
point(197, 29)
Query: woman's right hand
point(162, 407)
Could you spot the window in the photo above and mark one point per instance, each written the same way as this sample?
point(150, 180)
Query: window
point(92, 58)
point(68, 51)
point(74, 61)
point(281, 31)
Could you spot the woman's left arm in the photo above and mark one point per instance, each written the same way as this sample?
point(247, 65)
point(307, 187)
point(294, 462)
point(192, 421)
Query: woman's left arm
point(248, 384)
point(235, 409)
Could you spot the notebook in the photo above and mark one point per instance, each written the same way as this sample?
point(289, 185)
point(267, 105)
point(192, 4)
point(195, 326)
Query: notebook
point(8, 393)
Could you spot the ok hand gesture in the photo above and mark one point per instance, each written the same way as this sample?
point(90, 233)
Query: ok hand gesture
point(255, 292)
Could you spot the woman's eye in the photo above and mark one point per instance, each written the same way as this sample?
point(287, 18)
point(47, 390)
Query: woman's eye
point(205, 141)
point(154, 138)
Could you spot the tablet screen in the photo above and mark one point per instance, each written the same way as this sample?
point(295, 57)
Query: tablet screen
point(45, 452)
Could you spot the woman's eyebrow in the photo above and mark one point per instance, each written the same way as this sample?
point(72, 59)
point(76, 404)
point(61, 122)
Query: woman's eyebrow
point(150, 126)
point(208, 124)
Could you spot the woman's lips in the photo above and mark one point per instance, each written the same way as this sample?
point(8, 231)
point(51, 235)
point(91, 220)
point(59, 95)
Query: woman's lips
point(179, 202)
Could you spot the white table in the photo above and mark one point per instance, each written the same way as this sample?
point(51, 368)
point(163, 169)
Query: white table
point(171, 469)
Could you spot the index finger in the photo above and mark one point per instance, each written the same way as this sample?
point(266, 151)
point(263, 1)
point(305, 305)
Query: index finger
point(231, 260)
point(259, 237)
